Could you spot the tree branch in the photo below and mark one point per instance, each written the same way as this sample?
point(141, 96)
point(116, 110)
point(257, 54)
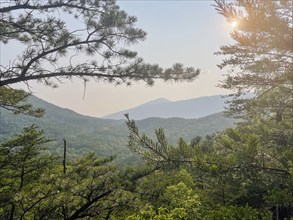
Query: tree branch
point(84, 207)
point(43, 7)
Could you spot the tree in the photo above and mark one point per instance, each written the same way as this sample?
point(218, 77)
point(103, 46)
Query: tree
point(261, 61)
point(257, 168)
point(34, 186)
point(22, 165)
point(241, 166)
point(51, 43)
point(261, 57)
point(167, 195)
point(16, 101)
point(236, 212)
point(246, 171)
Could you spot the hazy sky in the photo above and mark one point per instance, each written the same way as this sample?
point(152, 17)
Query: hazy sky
point(189, 32)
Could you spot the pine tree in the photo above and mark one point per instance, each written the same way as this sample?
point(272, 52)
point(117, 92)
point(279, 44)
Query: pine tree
point(52, 34)
point(15, 100)
point(22, 165)
point(261, 59)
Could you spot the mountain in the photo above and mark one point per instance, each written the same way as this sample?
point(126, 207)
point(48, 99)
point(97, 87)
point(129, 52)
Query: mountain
point(163, 108)
point(104, 136)
point(156, 101)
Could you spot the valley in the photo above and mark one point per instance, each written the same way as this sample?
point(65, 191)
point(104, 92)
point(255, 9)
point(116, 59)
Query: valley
point(105, 137)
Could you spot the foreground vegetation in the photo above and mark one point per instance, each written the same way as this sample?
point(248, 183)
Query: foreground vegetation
point(244, 172)
point(238, 174)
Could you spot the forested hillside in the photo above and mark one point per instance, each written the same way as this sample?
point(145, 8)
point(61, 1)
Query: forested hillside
point(105, 137)
point(240, 173)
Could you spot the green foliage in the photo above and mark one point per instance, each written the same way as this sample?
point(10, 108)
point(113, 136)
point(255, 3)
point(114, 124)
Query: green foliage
point(257, 164)
point(261, 57)
point(101, 35)
point(240, 173)
point(161, 214)
point(240, 166)
point(183, 197)
point(22, 169)
point(34, 186)
point(86, 134)
point(16, 102)
point(89, 187)
point(259, 150)
point(159, 151)
point(167, 195)
point(237, 212)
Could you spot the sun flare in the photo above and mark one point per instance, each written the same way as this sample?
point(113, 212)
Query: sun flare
point(234, 24)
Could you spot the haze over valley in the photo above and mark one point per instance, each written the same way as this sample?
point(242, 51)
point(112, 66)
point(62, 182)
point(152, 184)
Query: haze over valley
point(112, 110)
point(109, 137)
point(163, 108)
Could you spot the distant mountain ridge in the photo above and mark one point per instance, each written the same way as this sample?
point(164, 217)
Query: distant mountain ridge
point(156, 102)
point(104, 136)
point(163, 108)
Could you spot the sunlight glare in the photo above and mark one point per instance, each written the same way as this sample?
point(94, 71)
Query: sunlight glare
point(234, 24)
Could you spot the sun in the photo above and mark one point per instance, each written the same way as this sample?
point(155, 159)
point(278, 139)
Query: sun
point(234, 24)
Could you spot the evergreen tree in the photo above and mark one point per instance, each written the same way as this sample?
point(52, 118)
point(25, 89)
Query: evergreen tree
point(238, 174)
point(261, 59)
point(22, 166)
point(16, 101)
point(33, 184)
point(52, 34)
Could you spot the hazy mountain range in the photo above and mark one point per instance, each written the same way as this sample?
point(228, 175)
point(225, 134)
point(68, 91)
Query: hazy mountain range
point(106, 136)
point(163, 108)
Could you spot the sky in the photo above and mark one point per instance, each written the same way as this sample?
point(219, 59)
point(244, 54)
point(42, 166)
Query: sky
point(188, 32)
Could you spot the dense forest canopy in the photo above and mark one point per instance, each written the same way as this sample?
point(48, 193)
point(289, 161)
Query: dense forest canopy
point(241, 173)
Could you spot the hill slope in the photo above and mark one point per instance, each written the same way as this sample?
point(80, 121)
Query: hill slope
point(163, 108)
point(103, 136)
